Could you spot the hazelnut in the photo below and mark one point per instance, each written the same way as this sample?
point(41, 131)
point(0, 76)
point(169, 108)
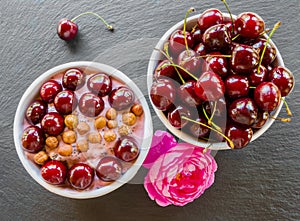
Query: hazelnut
point(129, 119)
point(71, 121)
point(83, 128)
point(65, 150)
point(82, 145)
point(109, 136)
point(52, 142)
point(111, 124)
point(94, 137)
point(100, 122)
point(40, 157)
point(137, 109)
point(111, 114)
point(69, 137)
point(124, 130)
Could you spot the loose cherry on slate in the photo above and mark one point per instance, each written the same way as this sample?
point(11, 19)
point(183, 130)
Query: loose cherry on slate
point(67, 29)
point(80, 176)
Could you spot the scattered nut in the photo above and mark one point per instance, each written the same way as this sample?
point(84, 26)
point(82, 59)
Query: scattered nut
point(111, 124)
point(69, 137)
point(40, 157)
point(82, 145)
point(71, 121)
point(129, 119)
point(52, 142)
point(65, 150)
point(100, 122)
point(94, 137)
point(124, 130)
point(137, 109)
point(83, 128)
point(111, 114)
point(109, 136)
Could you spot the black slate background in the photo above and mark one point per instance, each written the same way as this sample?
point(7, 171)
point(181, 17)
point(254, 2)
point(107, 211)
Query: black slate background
point(260, 182)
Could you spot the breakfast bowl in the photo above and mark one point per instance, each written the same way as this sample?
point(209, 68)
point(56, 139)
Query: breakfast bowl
point(82, 129)
point(157, 60)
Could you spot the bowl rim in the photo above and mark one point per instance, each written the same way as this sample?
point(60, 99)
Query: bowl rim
point(31, 92)
point(153, 62)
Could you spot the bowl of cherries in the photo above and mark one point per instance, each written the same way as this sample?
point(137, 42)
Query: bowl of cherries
point(218, 80)
point(82, 129)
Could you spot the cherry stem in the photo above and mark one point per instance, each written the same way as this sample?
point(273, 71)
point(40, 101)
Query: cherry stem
point(204, 125)
point(228, 9)
point(235, 37)
point(214, 111)
point(277, 25)
point(284, 120)
point(214, 55)
point(98, 16)
point(252, 87)
point(194, 28)
point(184, 28)
point(265, 32)
point(209, 121)
point(288, 110)
point(178, 66)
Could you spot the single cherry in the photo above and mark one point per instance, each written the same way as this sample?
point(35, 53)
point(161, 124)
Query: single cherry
point(49, 90)
point(267, 96)
point(33, 139)
point(91, 105)
point(73, 79)
point(177, 42)
point(236, 86)
point(121, 98)
point(175, 116)
point(239, 135)
point(216, 63)
point(80, 176)
point(165, 70)
point(65, 102)
point(109, 169)
point(100, 84)
point(188, 60)
point(256, 78)
point(270, 53)
point(36, 111)
point(54, 172)
point(262, 117)
point(249, 25)
point(53, 124)
point(126, 149)
point(283, 78)
point(243, 111)
point(210, 18)
point(186, 94)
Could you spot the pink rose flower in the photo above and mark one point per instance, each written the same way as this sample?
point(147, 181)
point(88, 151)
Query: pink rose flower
point(180, 175)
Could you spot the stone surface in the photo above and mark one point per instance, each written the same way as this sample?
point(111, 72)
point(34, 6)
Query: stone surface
point(260, 182)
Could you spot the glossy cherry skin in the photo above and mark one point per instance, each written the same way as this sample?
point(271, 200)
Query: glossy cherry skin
point(80, 176)
point(54, 172)
point(175, 116)
point(177, 42)
point(217, 38)
point(36, 111)
point(270, 53)
point(49, 90)
point(219, 111)
point(256, 78)
point(261, 119)
point(197, 130)
point(73, 79)
point(236, 86)
point(121, 98)
point(186, 94)
point(126, 149)
point(33, 139)
point(65, 102)
point(243, 111)
point(53, 124)
point(283, 78)
point(219, 65)
point(109, 169)
point(91, 105)
point(209, 87)
point(244, 59)
point(267, 96)
point(200, 49)
point(239, 135)
point(165, 70)
point(163, 94)
point(66, 29)
point(100, 84)
point(249, 25)
point(188, 61)
point(197, 36)
point(210, 18)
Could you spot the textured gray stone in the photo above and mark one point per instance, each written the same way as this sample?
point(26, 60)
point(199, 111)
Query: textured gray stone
point(260, 182)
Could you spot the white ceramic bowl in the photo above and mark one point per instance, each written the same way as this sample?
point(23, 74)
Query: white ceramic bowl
point(153, 62)
point(32, 92)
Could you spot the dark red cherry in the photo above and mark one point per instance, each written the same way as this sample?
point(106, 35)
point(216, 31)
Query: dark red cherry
point(239, 135)
point(177, 42)
point(236, 86)
point(175, 116)
point(53, 124)
point(100, 84)
point(197, 130)
point(91, 105)
point(163, 94)
point(121, 98)
point(243, 111)
point(167, 71)
point(126, 149)
point(188, 60)
point(217, 38)
point(73, 79)
point(186, 94)
point(261, 119)
point(209, 87)
point(244, 58)
point(270, 53)
point(36, 111)
point(109, 169)
point(249, 25)
point(197, 36)
point(65, 102)
point(200, 49)
point(49, 90)
point(256, 78)
point(80, 176)
point(219, 65)
point(283, 78)
point(267, 96)
point(33, 139)
point(66, 29)
point(210, 18)
point(54, 172)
